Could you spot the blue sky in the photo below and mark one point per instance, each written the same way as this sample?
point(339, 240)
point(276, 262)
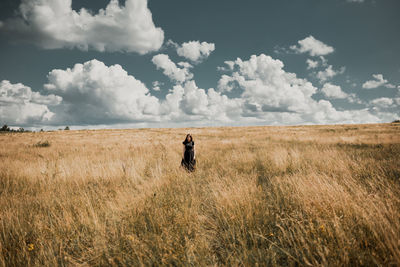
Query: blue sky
point(100, 64)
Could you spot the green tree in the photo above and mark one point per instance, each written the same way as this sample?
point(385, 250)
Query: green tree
point(5, 128)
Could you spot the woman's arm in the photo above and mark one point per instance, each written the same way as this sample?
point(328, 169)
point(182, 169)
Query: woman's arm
point(183, 152)
point(194, 153)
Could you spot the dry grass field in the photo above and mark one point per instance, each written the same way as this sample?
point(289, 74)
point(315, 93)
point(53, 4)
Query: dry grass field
point(305, 195)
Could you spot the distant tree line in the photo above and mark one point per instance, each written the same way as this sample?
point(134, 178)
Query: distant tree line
point(6, 128)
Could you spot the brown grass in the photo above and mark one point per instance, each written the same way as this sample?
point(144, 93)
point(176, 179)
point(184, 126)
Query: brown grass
point(309, 195)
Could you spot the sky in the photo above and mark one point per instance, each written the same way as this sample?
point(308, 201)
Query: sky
point(186, 63)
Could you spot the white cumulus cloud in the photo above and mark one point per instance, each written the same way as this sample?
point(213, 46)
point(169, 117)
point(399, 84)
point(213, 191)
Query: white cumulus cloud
point(312, 46)
point(387, 108)
point(195, 51)
point(189, 102)
point(226, 83)
point(386, 102)
point(275, 96)
point(94, 93)
point(333, 91)
point(54, 24)
point(171, 70)
point(20, 105)
point(267, 87)
point(378, 81)
point(383, 102)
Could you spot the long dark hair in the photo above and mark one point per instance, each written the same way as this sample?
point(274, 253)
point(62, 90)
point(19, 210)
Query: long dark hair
point(187, 138)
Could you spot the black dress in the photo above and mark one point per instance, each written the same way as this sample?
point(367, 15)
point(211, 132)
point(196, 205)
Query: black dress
point(188, 160)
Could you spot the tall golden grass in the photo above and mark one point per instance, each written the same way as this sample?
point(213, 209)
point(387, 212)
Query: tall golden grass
point(305, 195)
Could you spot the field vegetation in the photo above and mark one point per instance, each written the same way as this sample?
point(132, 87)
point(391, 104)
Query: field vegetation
point(299, 195)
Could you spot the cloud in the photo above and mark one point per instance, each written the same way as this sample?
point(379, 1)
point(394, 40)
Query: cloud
point(20, 105)
point(171, 43)
point(387, 108)
point(329, 73)
point(53, 24)
point(386, 103)
point(275, 96)
point(189, 102)
point(377, 82)
point(180, 75)
point(312, 64)
point(226, 83)
point(94, 93)
point(195, 51)
point(383, 102)
point(267, 87)
point(156, 85)
point(312, 46)
point(185, 65)
point(326, 71)
point(356, 1)
point(230, 65)
point(333, 91)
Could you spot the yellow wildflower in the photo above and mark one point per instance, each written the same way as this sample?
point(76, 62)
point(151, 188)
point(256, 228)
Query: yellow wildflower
point(31, 247)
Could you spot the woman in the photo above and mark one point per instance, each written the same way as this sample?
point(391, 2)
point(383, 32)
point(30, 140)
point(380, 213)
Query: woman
point(188, 154)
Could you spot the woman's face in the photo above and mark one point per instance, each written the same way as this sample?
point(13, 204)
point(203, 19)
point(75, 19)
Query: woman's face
point(189, 138)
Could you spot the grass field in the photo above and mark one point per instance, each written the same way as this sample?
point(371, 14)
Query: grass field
point(305, 195)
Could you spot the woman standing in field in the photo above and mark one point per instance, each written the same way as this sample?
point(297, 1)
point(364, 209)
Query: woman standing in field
point(188, 154)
